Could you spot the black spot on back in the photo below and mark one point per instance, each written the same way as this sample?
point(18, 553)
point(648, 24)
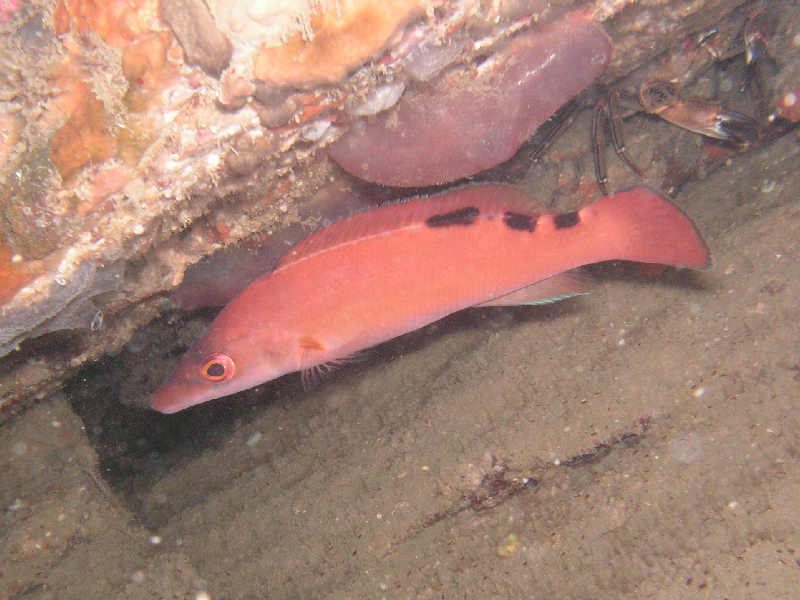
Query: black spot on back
point(519, 221)
point(564, 220)
point(462, 216)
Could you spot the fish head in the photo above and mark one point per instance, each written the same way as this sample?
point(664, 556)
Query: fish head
point(225, 362)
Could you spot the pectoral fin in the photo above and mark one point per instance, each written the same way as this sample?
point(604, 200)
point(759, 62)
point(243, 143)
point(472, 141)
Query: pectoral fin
point(313, 376)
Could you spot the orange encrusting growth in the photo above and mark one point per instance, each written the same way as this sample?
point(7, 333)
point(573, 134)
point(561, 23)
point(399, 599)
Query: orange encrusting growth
point(85, 134)
point(385, 272)
point(343, 34)
point(117, 22)
point(12, 278)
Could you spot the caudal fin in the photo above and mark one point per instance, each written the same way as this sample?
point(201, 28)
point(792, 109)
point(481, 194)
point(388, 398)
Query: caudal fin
point(642, 225)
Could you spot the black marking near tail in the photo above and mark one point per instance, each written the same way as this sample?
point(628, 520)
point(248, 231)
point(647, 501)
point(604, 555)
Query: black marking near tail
point(462, 216)
point(519, 221)
point(568, 219)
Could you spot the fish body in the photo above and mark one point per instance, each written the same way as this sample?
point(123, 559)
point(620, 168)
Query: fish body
point(384, 272)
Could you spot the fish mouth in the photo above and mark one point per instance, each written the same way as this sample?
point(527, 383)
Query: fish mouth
point(165, 402)
point(178, 394)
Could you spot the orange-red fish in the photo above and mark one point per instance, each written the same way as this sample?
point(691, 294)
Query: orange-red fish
point(381, 273)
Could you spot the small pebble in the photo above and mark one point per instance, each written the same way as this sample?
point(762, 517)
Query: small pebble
point(508, 546)
point(212, 161)
point(379, 99)
point(97, 321)
point(314, 131)
point(687, 449)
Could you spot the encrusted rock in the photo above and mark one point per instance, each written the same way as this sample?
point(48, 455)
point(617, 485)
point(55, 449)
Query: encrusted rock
point(193, 25)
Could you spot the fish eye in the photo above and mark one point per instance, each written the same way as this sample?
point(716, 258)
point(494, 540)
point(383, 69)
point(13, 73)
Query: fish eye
point(218, 367)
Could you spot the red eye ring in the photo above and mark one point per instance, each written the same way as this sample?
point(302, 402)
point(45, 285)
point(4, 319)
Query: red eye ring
point(218, 367)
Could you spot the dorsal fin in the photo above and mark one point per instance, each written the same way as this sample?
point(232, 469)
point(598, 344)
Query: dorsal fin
point(488, 199)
